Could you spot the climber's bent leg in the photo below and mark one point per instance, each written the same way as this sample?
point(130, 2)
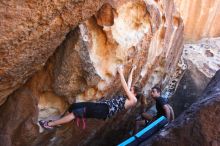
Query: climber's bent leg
point(69, 117)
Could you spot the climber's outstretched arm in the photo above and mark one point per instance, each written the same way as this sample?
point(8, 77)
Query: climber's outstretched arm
point(131, 100)
point(130, 76)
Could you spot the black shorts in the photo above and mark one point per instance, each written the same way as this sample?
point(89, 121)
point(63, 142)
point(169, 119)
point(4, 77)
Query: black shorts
point(92, 110)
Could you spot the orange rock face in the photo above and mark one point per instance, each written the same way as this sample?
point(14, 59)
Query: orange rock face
point(82, 64)
point(20, 116)
point(29, 34)
point(200, 17)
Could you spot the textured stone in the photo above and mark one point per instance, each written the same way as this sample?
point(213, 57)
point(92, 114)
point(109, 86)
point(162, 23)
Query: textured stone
point(30, 33)
point(148, 34)
point(73, 70)
point(105, 16)
point(140, 35)
point(200, 17)
point(204, 55)
point(189, 90)
point(20, 117)
point(202, 59)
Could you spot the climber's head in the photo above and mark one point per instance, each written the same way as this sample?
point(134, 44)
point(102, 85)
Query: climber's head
point(155, 92)
point(136, 91)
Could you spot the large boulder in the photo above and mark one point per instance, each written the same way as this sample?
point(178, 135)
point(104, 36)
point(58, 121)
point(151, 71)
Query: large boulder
point(200, 17)
point(30, 33)
point(148, 34)
point(202, 59)
point(18, 119)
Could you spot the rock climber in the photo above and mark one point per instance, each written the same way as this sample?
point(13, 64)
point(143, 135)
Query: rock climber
point(102, 109)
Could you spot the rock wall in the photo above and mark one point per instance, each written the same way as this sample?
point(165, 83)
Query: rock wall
point(54, 53)
point(30, 33)
point(18, 119)
point(202, 59)
point(203, 55)
point(148, 34)
point(200, 17)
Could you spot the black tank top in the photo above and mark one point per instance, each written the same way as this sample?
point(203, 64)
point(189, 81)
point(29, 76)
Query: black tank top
point(115, 105)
